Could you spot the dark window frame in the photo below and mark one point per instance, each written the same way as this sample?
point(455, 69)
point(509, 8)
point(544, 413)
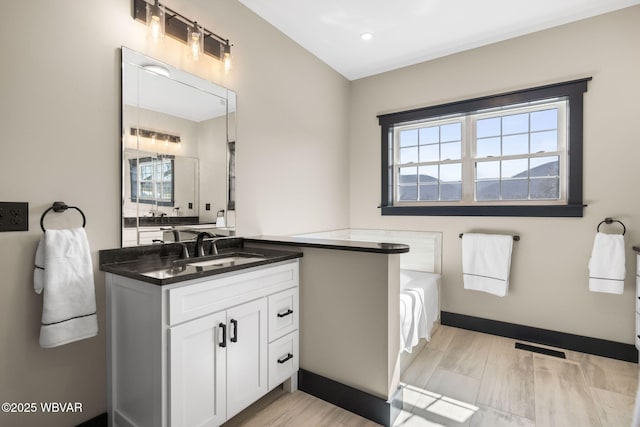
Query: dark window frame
point(572, 90)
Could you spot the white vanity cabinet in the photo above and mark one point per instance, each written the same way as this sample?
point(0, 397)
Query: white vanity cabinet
point(196, 353)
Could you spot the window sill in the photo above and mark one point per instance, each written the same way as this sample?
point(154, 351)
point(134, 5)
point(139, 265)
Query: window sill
point(524, 211)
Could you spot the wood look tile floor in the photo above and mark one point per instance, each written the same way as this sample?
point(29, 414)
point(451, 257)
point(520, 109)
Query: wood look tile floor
point(464, 378)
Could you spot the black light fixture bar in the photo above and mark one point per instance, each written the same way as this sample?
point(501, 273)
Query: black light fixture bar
point(144, 133)
point(176, 26)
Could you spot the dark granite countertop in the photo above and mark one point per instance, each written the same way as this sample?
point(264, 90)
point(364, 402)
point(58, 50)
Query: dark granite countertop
point(341, 245)
point(637, 248)
point(162, 264)
point(157, 221)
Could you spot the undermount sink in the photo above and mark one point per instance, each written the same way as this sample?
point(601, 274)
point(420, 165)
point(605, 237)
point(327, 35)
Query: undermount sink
point(225, 262)
point(222, 260)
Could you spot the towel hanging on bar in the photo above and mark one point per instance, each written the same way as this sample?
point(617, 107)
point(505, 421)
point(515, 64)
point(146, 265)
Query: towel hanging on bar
point(516, 237)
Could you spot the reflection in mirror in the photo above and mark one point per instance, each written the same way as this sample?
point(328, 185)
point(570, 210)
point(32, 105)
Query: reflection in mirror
point(178, 141)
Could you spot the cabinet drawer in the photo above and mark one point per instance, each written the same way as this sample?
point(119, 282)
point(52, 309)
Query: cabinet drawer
point(283, 359)
point(637, 265)
point(283, 313)
point(199, 299)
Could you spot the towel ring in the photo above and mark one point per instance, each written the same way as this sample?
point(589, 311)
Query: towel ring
point(609, 221)
point(61, 207)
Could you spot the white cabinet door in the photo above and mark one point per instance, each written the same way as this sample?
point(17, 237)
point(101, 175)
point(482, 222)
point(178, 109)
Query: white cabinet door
point(197, 372)
point(246, 355)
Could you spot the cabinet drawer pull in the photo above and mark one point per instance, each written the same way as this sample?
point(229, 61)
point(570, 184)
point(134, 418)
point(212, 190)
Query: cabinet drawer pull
point(234, 336)
point(283, 359)
point(224, 335)
point(286, 313)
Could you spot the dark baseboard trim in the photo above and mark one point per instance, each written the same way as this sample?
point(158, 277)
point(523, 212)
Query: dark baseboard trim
point(596, 346)
point(357, 401)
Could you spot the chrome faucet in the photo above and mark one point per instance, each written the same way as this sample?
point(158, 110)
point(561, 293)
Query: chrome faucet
point(199, 242)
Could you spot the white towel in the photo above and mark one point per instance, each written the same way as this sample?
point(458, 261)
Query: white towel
point(486, 262)
point(426, 287)
point(413, 318)
point(63, 269)
point(607, 264)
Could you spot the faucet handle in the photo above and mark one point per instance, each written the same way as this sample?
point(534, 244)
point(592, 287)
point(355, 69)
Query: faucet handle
point(184, 254)
point(213, 250)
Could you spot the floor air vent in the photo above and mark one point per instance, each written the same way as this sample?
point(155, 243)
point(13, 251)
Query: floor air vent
point(541, 350)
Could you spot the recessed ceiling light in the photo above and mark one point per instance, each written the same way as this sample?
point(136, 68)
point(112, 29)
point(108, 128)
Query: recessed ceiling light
point(157, 69)
point(366, 36)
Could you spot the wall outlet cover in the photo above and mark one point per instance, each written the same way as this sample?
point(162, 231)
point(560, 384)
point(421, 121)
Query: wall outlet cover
point(14, 216)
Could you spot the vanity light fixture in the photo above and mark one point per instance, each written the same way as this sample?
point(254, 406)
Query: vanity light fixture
point(366, 36)
point(226, 59)
point(181, 28)
point(195, 41)
point(155, 136)
point(155, 21)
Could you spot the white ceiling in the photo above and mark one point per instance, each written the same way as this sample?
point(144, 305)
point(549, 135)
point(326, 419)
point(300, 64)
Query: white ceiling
point(407, 32)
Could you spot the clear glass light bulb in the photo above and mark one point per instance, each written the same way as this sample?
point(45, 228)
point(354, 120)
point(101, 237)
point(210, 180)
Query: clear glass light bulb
point(195, 41)
point(155, 21)
point(226, 62)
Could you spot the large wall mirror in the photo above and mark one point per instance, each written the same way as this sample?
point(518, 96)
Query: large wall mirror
point(178, 150)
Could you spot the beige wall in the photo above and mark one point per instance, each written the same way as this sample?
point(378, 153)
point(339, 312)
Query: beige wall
point(549, 287)
point(60, 121)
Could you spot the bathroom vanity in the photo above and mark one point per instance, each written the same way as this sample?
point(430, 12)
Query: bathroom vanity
point(194, 341)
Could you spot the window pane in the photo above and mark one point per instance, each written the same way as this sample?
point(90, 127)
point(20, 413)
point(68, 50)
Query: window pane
point(515, 168)
point(544, 141)
point(408, 137)
point(515, 189)
point(430, 153)
point(146, 190)
point(408, 155)
point(429, 192)
point(450, 132)
point(543, 120)
point(451, 191)
point(428, 174)
point(488, 127)
point(408, 175)
point(515, 144)
point(545, 188)
point(407, 192)
point(487, 170)
point(451, 173)
point(488, 147)
point(516, 123)
point(487, 190)
point(545, 166)
point(451, 151)
point(430, 135)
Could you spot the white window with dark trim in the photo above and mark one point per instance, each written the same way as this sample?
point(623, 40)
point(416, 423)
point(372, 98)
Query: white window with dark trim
point(516, 154)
